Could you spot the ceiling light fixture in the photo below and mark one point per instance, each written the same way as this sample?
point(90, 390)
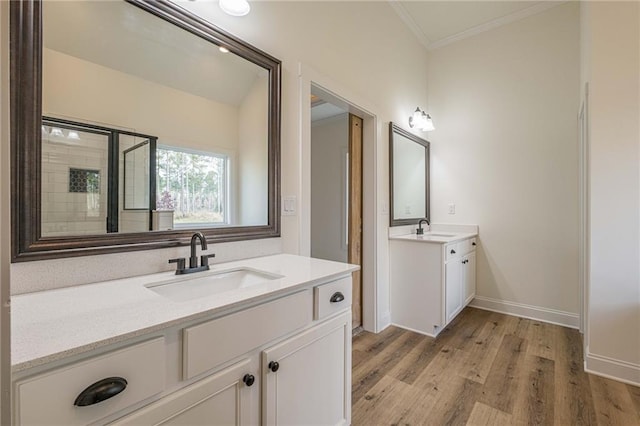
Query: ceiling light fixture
point(235, 7)
point(421, 120)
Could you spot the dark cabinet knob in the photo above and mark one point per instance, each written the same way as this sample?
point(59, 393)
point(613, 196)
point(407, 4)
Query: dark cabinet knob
point(100, 391)
point(453, 251)
point(249, 379)
point(337, 297)
point(473, 243)
point(274, 366)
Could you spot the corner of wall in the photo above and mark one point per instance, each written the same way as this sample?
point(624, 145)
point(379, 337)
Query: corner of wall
point(5, 220)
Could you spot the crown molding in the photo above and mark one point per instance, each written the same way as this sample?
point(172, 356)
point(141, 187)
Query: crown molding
point(405, 16)
point(504, 20)
point(408, 20)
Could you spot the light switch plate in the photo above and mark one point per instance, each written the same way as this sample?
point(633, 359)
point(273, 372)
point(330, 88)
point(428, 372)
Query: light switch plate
point(452, 209)
point(289, 205)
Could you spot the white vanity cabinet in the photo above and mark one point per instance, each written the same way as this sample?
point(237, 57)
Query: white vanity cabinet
point(460, 276)
point(284, 360)
point(431, 281)
point(307, 378)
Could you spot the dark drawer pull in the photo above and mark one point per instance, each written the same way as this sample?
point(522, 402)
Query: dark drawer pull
point(337, 297)
point(100, 391)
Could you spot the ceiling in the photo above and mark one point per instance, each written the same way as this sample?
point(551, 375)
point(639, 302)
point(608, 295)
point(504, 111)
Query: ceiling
point(437, 23)
point(122, 37)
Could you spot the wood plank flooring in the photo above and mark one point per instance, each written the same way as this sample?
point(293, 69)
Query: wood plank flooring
point(484, 369)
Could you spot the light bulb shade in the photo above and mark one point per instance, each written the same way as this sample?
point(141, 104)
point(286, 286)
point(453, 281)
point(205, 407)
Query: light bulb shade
point(57, 132)
point(235, 7)
point(426, 124)
point(421, 120)
point(73, 135)
point(416, 118)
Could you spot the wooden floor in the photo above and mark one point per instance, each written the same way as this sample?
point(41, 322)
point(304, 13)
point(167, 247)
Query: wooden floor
point(484, 369)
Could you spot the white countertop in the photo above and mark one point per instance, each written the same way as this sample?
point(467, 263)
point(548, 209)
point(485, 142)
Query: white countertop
point(438, 237)
point(55, 324)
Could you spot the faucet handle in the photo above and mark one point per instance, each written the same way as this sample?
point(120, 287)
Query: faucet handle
point(180, 261)
point(204, 259)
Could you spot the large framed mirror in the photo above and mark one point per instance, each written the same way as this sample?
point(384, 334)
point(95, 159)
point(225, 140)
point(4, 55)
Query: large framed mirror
point(134, 123)
point(409, 177)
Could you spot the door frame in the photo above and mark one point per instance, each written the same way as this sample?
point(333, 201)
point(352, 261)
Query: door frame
point(372, 263)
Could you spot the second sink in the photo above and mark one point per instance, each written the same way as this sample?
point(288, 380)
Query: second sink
point(194, 287)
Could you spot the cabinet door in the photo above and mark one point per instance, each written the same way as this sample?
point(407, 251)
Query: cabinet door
point(311, 384)
point(221, 399)
point(453, 288)
point(469, 278)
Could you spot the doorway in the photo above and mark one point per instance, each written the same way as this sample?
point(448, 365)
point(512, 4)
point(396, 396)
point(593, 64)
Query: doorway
point(336, 190)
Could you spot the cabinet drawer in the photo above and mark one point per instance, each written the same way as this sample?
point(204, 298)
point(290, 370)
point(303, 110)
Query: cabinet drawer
point(467, 246)
point(49, 398)
point(451, 251)
point(331, 298)
point(208, 345)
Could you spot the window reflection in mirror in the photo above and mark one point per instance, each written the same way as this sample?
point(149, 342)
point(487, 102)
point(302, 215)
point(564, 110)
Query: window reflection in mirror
point(110, 64)
point(409, 177)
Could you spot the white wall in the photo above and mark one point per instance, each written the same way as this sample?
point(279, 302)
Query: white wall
point(329, 146)
point(80, 90)
point(253, 155)
point(504, 151)
point(611, 47)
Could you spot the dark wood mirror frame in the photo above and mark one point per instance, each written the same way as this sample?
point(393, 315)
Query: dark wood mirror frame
point(26, 118)
point(393, 128)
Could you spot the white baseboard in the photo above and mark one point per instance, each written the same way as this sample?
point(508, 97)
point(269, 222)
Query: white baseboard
point(566, 319)
point(610, 368)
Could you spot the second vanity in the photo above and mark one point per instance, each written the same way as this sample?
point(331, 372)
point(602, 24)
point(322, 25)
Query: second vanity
point(273, 351)
point(433, 276)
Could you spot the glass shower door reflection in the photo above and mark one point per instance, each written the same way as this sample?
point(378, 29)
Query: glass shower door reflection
point(75, 164)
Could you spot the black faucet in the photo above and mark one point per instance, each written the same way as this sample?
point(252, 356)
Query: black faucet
point(193, 260)
point(419, 230)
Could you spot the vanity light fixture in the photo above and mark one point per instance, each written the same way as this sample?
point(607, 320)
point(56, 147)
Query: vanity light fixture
point(421, 120)
point(223, 49)
point(235, 7)
point(73, 135)
point(57, 132)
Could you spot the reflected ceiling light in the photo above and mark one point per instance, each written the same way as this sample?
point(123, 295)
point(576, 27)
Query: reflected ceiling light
point(56, 132)
point(235, 7)
point(73, 135)
point(223, 49)
point(421, 120)
point(44, 130)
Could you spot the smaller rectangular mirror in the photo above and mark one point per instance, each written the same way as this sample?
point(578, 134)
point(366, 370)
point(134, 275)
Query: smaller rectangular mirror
point(409, 177)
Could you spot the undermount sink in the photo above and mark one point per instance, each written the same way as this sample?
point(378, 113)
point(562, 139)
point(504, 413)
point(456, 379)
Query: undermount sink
point(208, 284)
point(436, 234)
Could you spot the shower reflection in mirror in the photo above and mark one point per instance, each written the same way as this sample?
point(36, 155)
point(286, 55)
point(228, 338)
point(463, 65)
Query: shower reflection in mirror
point(98, 180)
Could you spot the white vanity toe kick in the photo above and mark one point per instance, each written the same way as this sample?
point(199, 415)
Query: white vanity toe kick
point(56, 324)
